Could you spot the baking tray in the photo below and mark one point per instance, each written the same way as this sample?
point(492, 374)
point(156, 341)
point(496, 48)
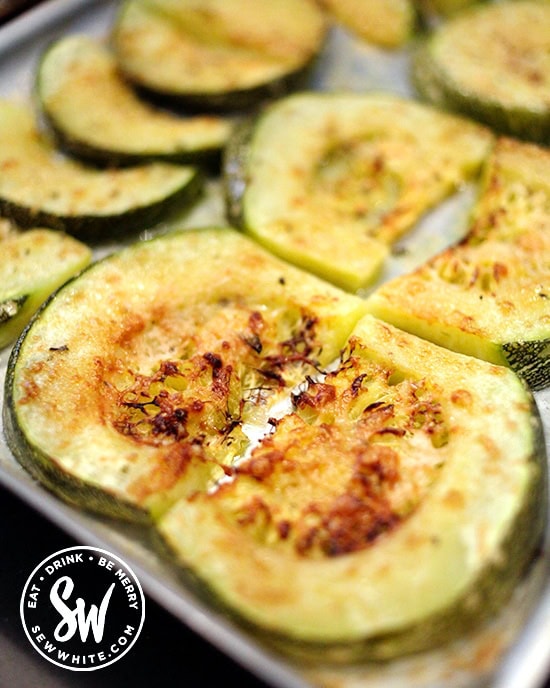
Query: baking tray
point(511, 650)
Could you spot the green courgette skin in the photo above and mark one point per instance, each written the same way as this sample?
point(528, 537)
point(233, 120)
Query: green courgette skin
point(234, 166)
point(207, 158)
point(234, 101)
point(42, 467)
point(424, 77)
point(99, 227)
point(493, 586)
point(530, 360)
point(431, 13)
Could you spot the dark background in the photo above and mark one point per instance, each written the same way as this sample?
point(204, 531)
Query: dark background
point(165, 654)
point(11, 8)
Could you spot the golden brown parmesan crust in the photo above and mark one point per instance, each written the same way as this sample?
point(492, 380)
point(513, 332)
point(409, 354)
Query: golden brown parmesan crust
point(330, 480)
point(191, 407)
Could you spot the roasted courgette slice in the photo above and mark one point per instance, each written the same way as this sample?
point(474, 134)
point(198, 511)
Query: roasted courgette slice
point(395, 508)
point(32, 265)
point(389, 24)
point(39, 187)
point(132, 385)
point(329, 181)
point(489, 295)
point(491, 63)
point(96, 115)
point(218, 54)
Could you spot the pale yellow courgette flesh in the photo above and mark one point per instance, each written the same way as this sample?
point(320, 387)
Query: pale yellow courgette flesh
point(396, 508)
point(356, 172)
point(488, 295)
point(133, 384)
point(33, 264)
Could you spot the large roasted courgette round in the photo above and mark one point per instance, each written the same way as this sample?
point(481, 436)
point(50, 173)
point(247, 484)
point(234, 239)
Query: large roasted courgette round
point(395, 508)
point(132, 385)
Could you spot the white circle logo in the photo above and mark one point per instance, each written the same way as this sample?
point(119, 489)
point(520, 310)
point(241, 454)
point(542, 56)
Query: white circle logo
point(82, 608)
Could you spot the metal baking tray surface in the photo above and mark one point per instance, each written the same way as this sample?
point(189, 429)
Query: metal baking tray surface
point(514, 648)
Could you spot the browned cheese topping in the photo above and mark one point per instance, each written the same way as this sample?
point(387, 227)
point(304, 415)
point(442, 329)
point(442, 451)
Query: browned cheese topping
point(351, 462)
point(228, 360)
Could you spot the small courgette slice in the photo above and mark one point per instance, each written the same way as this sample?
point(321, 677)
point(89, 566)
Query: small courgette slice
point(491, 63)
point(389, 24)
point(397, 507)
point(329, 181)
point(39, 187)
point(217, 54)
point(132, 385)
point(96, 115)
point(32, 265)
point(489, 295)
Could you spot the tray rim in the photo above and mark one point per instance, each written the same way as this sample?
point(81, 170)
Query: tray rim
point(526, 663)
